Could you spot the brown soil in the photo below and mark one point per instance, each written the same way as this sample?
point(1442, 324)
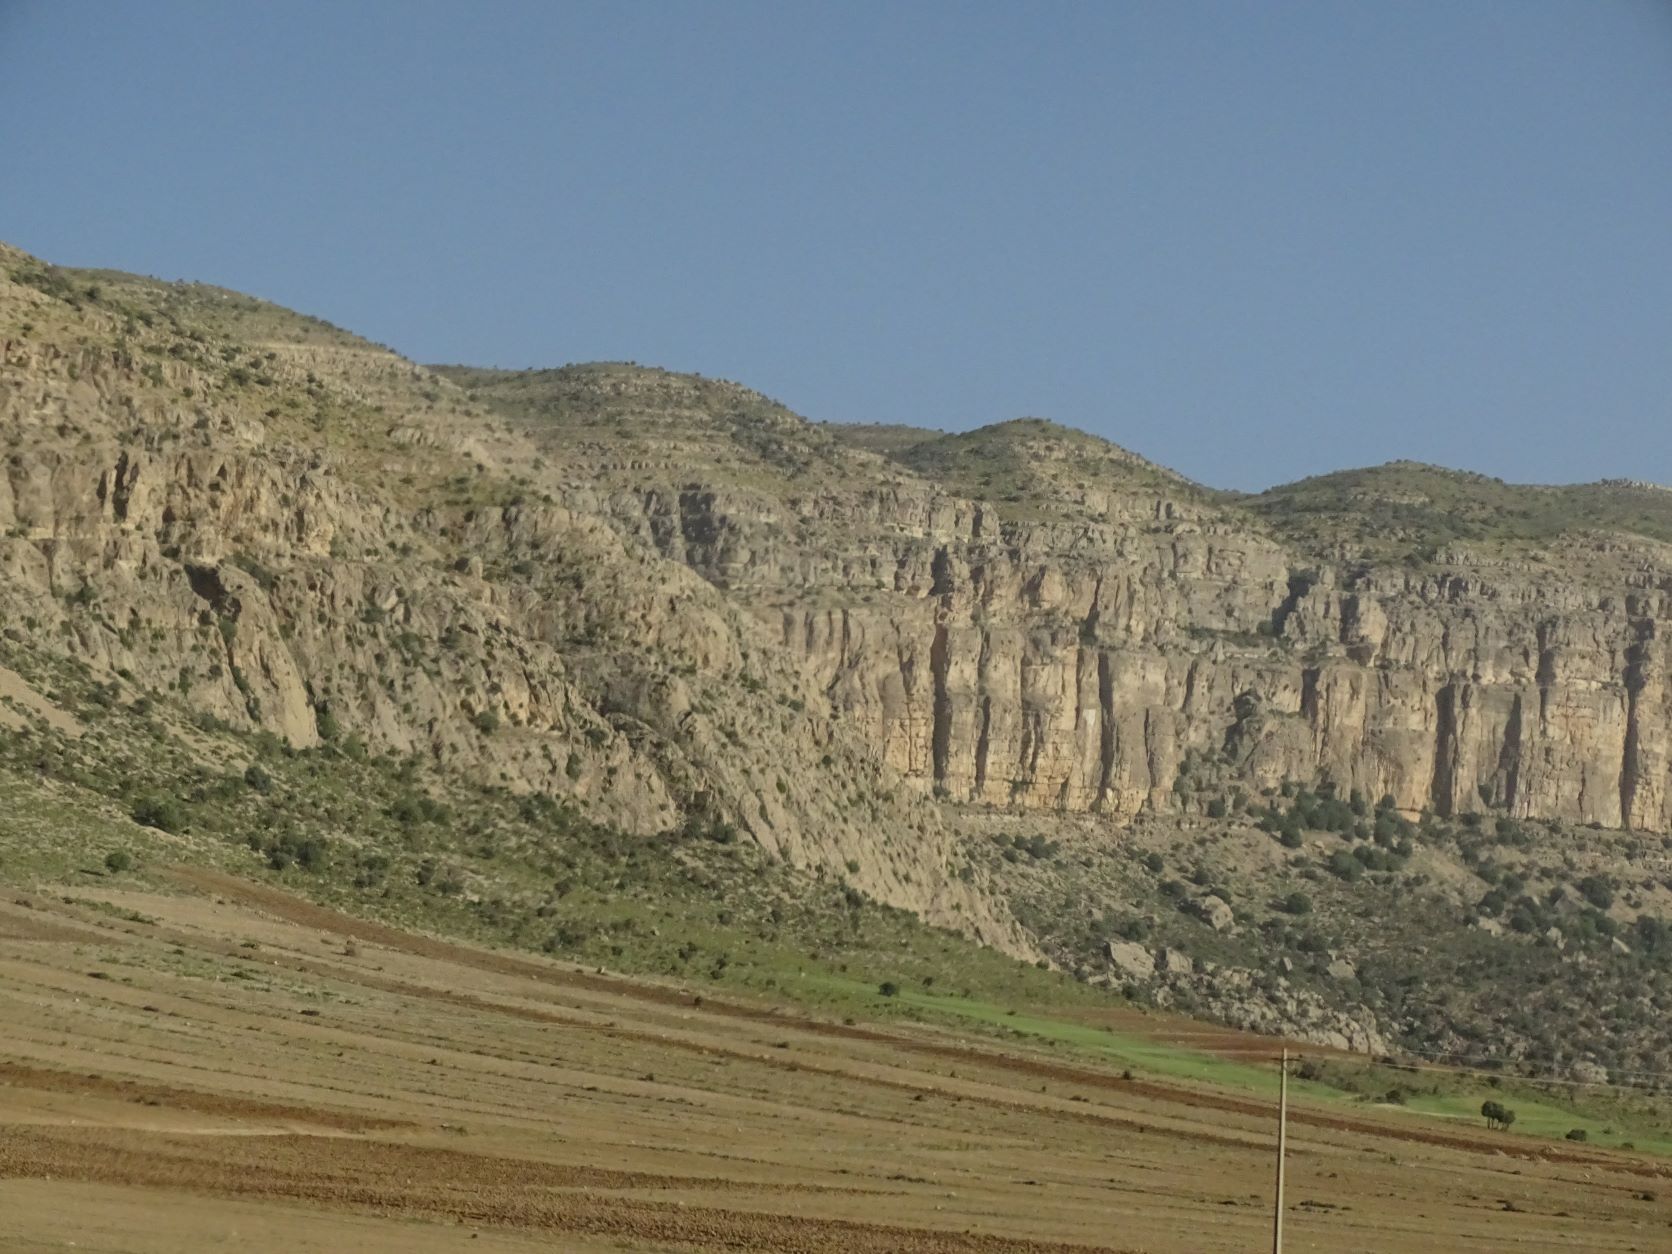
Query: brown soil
point(18, 1075)
point(239, 1079)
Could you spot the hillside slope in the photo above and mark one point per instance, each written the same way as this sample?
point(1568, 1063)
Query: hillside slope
point(1028, 616)
point(518, 652)
point(235, 512)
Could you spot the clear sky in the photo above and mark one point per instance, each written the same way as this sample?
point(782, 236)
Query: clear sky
point(1250, 240)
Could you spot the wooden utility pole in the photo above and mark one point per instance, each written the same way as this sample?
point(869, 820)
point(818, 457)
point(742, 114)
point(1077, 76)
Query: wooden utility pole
point(1282, 1145)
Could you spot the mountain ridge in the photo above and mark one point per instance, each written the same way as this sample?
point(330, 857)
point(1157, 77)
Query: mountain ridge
point(1002, 679)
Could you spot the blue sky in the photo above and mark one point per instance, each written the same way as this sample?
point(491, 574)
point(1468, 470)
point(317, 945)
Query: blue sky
point(1253, 241)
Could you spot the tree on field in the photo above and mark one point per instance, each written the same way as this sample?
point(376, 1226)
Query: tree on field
point(1496, 1114)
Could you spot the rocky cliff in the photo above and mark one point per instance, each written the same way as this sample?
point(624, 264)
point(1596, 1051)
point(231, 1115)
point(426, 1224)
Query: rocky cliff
point(256, 518)
point(1029, 617)
point(676, 603)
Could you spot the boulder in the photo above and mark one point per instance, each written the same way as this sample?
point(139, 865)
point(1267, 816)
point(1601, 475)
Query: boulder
point(1173, 962)
point(1132, 959)
point(1215, 911)
point(1341, 969)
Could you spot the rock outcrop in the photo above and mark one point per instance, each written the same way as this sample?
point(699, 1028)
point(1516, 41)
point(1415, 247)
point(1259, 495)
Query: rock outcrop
point(1075, 644)
point(295, 533)
point(674, 602)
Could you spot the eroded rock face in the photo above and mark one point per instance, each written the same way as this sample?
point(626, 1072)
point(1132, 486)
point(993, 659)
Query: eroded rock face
point(1017, 664)
point(1174, 962)
point(725, 613)
point(1235, 997)
point(1071, 641)
point(303, 535)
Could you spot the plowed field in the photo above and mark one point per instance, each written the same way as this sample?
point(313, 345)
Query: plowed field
point(233, 1068)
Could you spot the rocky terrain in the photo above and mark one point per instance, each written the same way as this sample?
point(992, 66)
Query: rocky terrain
point(1027, 616)
point(874, 653)
point(293, 531)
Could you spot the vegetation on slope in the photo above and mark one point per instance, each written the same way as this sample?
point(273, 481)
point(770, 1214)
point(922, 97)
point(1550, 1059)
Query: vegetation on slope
point(1034, 468)
point(396, 836)
point(148, 784)
point(1534, 947)
point(1405, 511)
point(620, 422)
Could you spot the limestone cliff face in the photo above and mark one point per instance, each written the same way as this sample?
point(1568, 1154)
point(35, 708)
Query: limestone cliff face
point(255, 520)
point(1040, 670)
point(1076, 658)
point(666, 597)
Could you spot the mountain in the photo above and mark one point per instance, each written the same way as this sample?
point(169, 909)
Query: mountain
point(1019, 682)
point(1027, 615)
point(296, 532)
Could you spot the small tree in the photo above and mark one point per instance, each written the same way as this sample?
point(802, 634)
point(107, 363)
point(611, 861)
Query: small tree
point(1598, 890)
point(1344, 866)
point(163, 813)
point(1297, 903)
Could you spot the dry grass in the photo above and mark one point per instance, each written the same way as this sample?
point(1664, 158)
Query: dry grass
point(237, 1075)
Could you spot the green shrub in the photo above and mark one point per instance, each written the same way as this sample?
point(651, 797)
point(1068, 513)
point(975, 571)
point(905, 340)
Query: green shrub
point(1344, 866)
point(163, 813)
point(311, 853)
point(118, 860)
point(1598, 890)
